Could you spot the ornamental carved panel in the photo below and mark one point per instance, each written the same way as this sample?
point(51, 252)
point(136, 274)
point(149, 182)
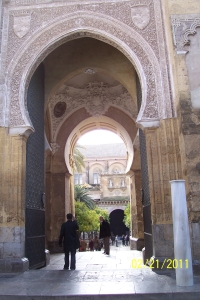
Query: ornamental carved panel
point(33, 29)
point(183, 26)
point(96, 98)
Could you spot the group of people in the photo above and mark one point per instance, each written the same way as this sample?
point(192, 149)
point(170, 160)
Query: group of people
point(71, 242)
point(125, 240)
point(93, 245)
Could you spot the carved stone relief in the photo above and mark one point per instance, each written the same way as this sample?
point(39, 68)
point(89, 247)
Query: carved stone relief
point(90, 71)
point(116, 25)
point(54, 147)
point(140, 14)
point(96, 97)
point(186, 33)
point(44, 16)
point(22, 24)
point(183, 26)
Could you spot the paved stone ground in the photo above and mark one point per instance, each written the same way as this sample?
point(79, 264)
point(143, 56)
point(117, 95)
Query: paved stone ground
point(97, 276)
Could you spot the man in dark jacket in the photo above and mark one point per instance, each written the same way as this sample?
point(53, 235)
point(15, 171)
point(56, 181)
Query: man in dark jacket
point(68, 232)
point(105, 234)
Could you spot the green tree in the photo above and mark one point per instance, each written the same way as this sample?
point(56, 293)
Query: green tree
point(81, 194)
point(88, 220)
point(127, 216)
point(102, 212)
point(78, 159)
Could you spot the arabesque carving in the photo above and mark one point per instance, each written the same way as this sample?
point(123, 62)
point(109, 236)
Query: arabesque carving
point(183, 26)
point(114, 25)
point(96, 98)
point(54, 147)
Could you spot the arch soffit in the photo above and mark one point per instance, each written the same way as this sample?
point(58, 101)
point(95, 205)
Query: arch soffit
point(93, 123)
point(77, 72)
point(109, 30)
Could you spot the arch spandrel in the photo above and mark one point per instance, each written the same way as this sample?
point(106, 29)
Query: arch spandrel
point(155, 104)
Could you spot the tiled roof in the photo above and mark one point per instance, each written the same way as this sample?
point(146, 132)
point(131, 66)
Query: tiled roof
point(104, 150)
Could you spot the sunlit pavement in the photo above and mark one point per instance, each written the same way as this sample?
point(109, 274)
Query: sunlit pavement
point(97, 276)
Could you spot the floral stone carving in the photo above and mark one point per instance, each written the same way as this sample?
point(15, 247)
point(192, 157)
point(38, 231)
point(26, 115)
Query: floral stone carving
point(96, 98)
point(112, 23)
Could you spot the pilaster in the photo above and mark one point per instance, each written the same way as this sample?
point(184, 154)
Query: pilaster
point(164, 164)
point(12, 203)
point(137, 226)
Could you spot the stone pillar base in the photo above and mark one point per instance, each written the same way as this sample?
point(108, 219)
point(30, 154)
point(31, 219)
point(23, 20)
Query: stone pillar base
point(47, 257)
point(136, 243)
point(14, 265)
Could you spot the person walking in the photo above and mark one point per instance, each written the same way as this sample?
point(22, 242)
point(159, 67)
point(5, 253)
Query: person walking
point(123, 240)
point(127, 240)
point(116, 240)
point(68, 234)
point(105, 234)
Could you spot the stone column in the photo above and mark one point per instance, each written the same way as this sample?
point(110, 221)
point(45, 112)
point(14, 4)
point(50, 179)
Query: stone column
point(137, 226)
point(182, 247)
point(68, 208)
point(12, 203)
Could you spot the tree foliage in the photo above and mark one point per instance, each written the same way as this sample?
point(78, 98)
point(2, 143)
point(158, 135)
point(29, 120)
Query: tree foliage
point(78, 159)
point(127, 216)
point(102, 212)
point(81, 194)
point(88, 220)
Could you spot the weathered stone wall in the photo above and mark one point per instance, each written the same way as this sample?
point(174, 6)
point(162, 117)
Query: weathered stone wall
point(137, 224)
point(164, 164)
point(185, 64)
point(12, 201)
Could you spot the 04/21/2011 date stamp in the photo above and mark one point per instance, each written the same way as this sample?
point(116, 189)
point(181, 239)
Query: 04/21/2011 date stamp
point(168, 263)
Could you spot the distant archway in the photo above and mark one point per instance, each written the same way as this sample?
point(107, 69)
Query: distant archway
point(116, 222)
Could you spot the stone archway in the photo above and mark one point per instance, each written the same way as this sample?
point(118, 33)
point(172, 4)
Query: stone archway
point(144, 47)
point(156, 102)
point(116, 222)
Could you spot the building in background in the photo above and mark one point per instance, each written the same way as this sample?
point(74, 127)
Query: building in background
point(105, 178)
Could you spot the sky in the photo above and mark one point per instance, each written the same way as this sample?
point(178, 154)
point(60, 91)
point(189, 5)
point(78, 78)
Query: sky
point(98, 137)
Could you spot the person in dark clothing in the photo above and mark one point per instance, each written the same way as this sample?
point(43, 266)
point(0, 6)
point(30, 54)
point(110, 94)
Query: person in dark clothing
point(113, 239)
point(123, 240)
point(127, 240)
point(68, 232)
point(105, 234)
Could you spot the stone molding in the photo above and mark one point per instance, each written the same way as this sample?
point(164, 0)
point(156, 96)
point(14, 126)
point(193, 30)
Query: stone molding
point(110, 208)
point(52, 25)
point(182, 27)
point(54, 147)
